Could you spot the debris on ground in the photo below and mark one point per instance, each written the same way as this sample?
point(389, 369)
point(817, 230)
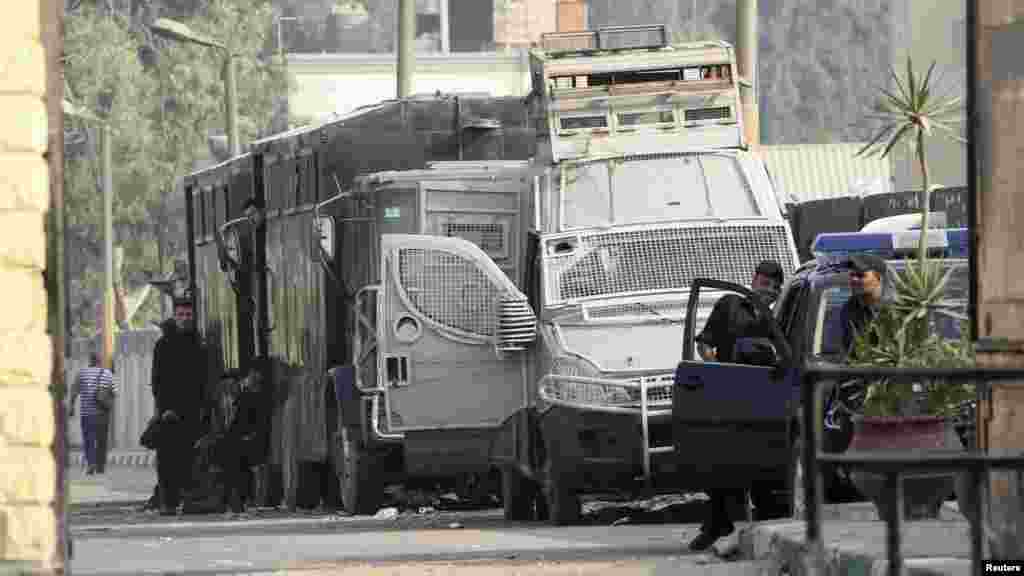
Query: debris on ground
point(664, 508)
point(386, 514)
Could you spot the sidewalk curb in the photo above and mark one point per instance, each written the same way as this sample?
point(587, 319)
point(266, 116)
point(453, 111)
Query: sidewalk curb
point(781, 548)
point(134, 459)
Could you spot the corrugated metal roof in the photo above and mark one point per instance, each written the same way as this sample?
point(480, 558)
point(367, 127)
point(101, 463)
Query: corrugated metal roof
point(805, 172)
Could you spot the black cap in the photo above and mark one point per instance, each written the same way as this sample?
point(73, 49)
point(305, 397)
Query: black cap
point(185, 299)
point(770, 269)
point(868, 262)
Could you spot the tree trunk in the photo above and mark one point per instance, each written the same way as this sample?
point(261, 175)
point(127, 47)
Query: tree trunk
point(922, 245)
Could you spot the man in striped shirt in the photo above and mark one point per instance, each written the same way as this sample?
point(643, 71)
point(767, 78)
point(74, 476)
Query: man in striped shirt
point(95, 418)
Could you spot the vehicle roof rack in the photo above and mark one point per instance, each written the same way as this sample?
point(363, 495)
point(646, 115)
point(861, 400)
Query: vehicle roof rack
point(638, 37)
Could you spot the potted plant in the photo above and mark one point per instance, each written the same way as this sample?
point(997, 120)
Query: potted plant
point(904, 416)
point(911, 416)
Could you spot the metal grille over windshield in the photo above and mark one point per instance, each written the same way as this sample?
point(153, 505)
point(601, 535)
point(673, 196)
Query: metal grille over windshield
point(607, 264)
point(448, 289)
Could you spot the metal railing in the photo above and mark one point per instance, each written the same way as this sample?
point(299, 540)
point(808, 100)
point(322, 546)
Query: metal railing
point(894, 464)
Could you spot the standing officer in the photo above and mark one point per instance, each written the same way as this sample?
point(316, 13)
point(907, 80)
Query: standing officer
point(732, 318)
point(179, 380)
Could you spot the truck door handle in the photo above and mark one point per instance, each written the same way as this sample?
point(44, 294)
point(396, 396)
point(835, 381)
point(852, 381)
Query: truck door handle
point(693, 382)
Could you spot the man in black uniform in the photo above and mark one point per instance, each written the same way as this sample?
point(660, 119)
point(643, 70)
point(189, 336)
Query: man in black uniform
point(735, 317)
point(167, 327)
point(867, 282)
point(179, 380)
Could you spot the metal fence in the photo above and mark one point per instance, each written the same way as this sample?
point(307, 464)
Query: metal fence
point(133, 361)
point(893, 465)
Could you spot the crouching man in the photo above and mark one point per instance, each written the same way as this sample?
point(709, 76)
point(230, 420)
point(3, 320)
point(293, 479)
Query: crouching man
point(244, 442)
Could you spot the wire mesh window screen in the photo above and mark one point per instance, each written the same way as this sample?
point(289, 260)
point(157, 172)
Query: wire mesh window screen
point(489, 237)
point(449, 290)
point(665, 259)
point(675, 309)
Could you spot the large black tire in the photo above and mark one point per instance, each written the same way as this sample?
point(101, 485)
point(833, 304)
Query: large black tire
point(517, 495)
point(559, 501)
point(361, 492)
point(563, 507)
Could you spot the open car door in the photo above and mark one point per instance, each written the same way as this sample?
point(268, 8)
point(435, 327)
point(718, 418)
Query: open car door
point(729, 421)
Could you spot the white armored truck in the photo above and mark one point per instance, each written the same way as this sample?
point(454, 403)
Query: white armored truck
point(523, 318)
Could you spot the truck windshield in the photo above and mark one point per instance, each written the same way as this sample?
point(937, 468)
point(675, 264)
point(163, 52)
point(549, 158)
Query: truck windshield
point(652, 188)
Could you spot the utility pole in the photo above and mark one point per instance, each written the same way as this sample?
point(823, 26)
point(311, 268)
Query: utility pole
point(231, 106)
point(746, 61)
point(108, 246)
point(998, 98)
point(406, 49)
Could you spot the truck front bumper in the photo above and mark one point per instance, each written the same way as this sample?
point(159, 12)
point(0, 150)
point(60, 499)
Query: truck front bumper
point(620, 429)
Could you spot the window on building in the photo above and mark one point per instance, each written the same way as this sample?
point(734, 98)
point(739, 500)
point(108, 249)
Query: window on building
point(442, 26)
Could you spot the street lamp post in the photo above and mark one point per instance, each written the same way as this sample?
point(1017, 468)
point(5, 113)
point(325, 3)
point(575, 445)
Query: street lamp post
point(180, 32)
point(107, 182)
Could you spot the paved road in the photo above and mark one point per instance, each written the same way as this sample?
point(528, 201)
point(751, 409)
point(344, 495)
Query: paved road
point(475, 543)
point(115, 538)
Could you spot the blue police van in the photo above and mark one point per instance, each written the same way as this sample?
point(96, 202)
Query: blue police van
point(738, 425)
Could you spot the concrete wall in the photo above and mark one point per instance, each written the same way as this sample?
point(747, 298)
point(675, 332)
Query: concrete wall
point(327, 84)
point(520, 23)
point(27, 465)
point(1000, 92)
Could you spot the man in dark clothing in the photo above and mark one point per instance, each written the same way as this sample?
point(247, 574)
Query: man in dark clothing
point(867, 281)
point(243, 441)
point(732, 318)
point(167, 327)
point(179, 381)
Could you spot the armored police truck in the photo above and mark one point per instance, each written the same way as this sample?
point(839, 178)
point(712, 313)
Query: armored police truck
point(256, 269)
point(523, 319)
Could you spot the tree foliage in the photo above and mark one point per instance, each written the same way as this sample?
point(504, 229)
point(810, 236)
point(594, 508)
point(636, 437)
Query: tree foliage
point(162, 100)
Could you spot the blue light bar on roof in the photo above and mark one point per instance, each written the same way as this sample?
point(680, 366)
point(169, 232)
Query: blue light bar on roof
point(948, 243)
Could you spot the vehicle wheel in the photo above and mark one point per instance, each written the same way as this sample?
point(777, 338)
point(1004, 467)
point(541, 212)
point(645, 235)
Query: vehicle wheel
point(796, 498)
point(307, 486)
point(360, 492)
point(517, 495)
point(563, 503)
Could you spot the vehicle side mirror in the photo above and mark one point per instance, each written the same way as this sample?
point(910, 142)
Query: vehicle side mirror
point(228, 252)
point(517, 324)
point(323, 227)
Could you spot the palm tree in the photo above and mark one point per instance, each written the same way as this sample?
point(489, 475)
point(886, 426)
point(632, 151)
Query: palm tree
point(914, 111)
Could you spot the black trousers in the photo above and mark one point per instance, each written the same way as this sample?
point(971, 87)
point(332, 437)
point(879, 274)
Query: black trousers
point(174, 459)
point(236, 478)
point(726, 505)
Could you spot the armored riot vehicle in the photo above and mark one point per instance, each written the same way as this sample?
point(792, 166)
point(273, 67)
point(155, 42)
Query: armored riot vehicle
point(256, 269)
point(641, 183)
